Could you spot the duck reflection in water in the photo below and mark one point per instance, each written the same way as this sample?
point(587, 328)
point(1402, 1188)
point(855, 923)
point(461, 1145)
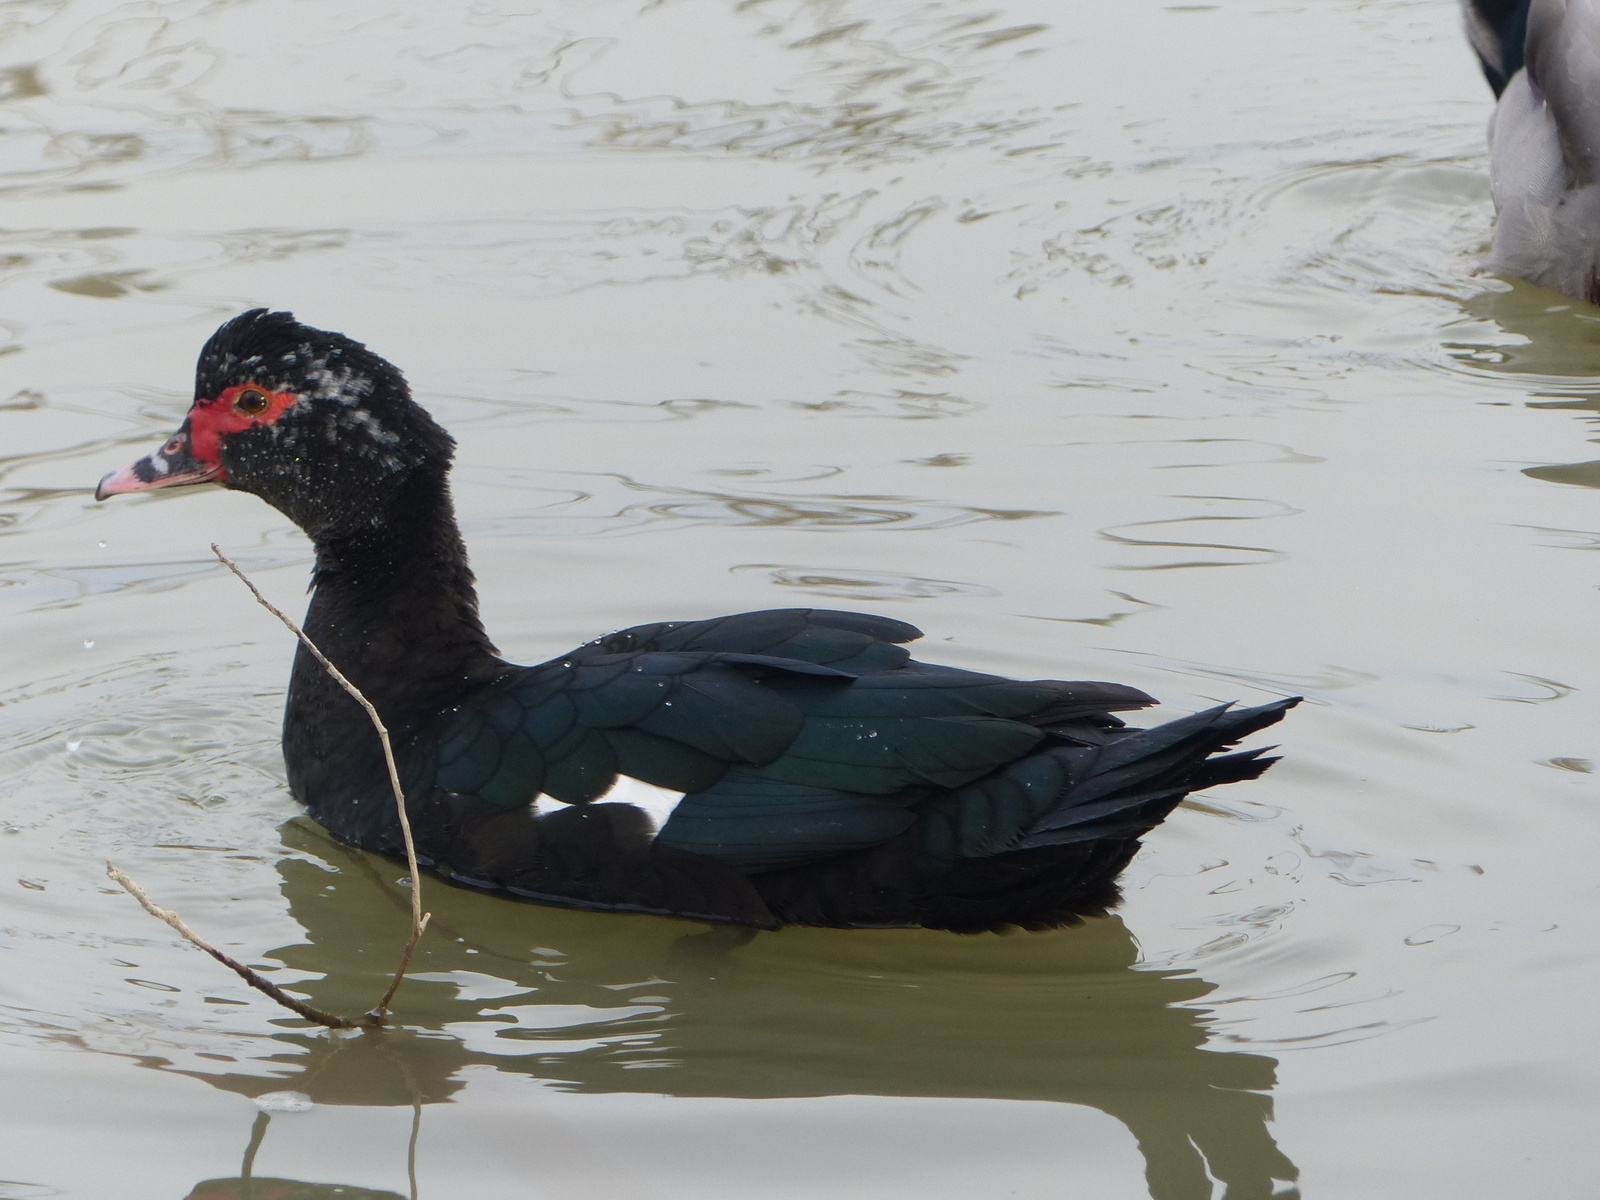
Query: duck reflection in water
point(1063, 1017)
point(1554, 349)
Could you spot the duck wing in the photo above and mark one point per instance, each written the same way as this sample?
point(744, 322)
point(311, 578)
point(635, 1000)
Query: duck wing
point(734, 769)
point(1563, 62)
point(780, 754)
point(856, 643)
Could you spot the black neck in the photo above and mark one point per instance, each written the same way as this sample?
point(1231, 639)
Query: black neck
point(394, 608)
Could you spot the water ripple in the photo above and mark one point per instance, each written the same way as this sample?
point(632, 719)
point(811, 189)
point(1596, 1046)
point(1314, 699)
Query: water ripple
point(1230, 554)
point(685, 507)
point(851, 583)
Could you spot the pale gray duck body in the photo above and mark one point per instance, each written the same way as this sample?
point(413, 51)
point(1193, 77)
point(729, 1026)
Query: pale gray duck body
point(1543, 60)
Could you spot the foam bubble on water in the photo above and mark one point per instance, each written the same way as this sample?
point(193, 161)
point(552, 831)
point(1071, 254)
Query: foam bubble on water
point(284, 1102)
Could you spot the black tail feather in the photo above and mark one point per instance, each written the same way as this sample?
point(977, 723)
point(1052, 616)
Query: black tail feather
point(955, 871)
point(1131, 785)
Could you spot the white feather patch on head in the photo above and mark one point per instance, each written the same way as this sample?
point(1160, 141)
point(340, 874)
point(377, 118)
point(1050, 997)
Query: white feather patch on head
point(359, 419)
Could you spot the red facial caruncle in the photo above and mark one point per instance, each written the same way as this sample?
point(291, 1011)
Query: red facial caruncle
point(233, 410)
point(194, 453)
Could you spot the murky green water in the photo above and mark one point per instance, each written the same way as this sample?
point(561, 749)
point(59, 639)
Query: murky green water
point(1128, 341)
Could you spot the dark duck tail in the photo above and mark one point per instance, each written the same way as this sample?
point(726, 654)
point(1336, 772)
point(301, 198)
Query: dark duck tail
point(1039, 842)
point(1498, 30)
point(795, 766)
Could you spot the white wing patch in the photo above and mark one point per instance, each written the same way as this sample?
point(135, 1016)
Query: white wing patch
point(545, 805)
point(655, 802)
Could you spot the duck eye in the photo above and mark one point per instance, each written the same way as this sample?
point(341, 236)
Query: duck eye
point(251, 401)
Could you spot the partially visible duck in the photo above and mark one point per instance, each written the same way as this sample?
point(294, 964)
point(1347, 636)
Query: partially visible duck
point(794, 766)
point(1496, 29)
point(1542, 58)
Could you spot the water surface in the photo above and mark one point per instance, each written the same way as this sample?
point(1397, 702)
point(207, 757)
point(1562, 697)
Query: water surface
point(1136, 341)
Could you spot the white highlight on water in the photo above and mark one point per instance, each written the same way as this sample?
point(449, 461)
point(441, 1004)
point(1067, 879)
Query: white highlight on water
point(284, 1102)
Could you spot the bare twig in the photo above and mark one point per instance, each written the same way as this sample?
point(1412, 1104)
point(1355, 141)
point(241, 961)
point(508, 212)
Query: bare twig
point(310, 1013)
point(419, 919)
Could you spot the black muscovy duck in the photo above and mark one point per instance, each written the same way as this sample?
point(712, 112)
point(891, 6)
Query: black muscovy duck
point(786, 767)
point(1542, 58)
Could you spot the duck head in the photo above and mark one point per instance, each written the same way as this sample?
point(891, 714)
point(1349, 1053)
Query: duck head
point(312, 422)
